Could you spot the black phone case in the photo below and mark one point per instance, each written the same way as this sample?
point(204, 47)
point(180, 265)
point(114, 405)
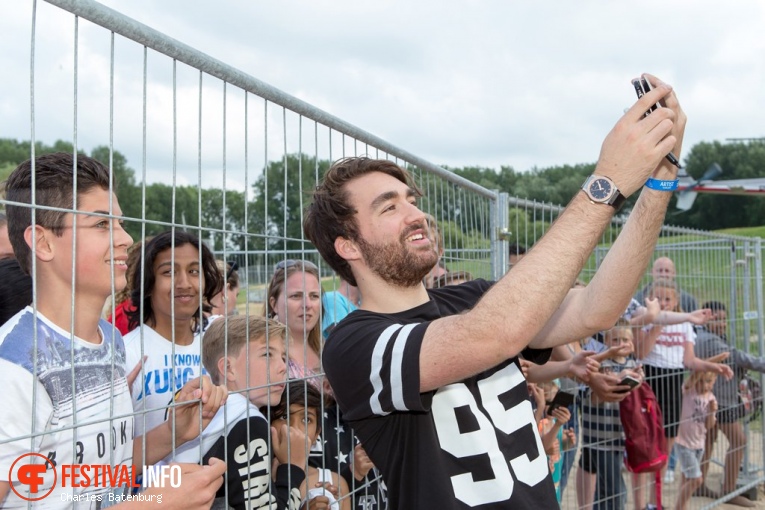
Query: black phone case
point(641, 87)
point(561, 399)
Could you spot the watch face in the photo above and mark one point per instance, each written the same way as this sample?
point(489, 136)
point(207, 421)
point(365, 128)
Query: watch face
point(600, 189)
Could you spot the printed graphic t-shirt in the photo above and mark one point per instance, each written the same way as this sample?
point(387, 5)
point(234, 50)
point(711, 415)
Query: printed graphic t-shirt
point(670, 345)
point(80, 416)
point(167, 368)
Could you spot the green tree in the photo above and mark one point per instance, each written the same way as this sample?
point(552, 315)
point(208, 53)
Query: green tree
point(164, 207)
point(13, 152)
point(226, 230)
point(712, 212)
point(452, 235)
point(5, 170)
point(281, 193)
point(486, 177)
point(555, 185)
point(525, 230)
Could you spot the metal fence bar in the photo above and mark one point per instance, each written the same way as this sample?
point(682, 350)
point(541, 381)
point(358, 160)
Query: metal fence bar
point(142, 34)
point(477, 225)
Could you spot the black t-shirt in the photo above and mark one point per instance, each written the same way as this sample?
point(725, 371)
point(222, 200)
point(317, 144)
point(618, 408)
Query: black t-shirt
point(248, 475)
point(334, 451)
point(471, 444)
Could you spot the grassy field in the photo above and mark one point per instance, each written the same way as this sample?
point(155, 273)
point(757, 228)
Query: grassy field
point(745, 231)
point(709, 268)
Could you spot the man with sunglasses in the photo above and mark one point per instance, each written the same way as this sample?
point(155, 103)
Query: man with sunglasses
point(430, 379)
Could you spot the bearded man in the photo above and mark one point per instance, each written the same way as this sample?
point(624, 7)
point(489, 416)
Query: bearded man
point(430, 378)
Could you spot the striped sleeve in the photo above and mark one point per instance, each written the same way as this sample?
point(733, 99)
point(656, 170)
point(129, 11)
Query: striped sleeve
point(373, 366)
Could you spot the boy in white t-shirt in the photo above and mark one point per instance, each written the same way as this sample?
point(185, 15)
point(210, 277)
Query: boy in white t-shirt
point(62, 368)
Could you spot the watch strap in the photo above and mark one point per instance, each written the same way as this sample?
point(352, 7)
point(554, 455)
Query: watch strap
point(617, 201)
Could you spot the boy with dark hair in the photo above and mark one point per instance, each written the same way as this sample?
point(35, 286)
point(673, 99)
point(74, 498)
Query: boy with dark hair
point(301, 407)
point(430, 379)
point(62, 367)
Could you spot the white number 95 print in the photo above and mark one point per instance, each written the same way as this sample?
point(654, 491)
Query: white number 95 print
point(483, 441)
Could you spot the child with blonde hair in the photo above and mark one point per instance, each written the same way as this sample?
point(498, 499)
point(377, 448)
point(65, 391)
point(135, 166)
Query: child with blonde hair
point(600, 483)
point(699, 414)
point(667, 352)
point(247, 354)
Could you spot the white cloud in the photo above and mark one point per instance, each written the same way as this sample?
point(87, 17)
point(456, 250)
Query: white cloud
point(460, 83)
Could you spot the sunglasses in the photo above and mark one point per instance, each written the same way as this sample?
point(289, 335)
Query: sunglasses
point(284, 264)
point(233, 265)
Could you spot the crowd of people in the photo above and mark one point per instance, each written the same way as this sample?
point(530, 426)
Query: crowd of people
point(176, 369)
point(409, 386)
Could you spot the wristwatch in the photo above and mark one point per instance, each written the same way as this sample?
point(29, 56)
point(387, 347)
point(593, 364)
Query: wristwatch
point(602, 190)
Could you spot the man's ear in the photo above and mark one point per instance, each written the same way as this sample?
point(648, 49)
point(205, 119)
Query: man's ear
point(347, 249)
point(38, 236)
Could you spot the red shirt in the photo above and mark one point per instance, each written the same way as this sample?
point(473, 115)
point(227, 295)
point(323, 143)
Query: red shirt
point(120, 318)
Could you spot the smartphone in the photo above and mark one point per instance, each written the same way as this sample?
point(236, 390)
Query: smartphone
point(561, 399)
point(642, 87)
point(629, 381)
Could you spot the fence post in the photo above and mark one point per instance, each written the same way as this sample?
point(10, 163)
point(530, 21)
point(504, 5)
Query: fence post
point(760, 327)
point(745, 476)
point(750, 255)
point(500, 233)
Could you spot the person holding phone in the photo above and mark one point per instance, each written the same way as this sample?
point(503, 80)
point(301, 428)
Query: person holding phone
point(556, 438)
point(602, 433)
point(430, 378)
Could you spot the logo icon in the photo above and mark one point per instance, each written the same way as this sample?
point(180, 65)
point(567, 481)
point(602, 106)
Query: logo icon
point(31, 475)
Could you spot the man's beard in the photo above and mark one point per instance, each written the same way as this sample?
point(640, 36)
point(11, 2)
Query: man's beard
point(396, 264)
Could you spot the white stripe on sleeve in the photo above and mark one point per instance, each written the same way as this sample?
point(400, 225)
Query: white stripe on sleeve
point(377, 363)
point(397, 368)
